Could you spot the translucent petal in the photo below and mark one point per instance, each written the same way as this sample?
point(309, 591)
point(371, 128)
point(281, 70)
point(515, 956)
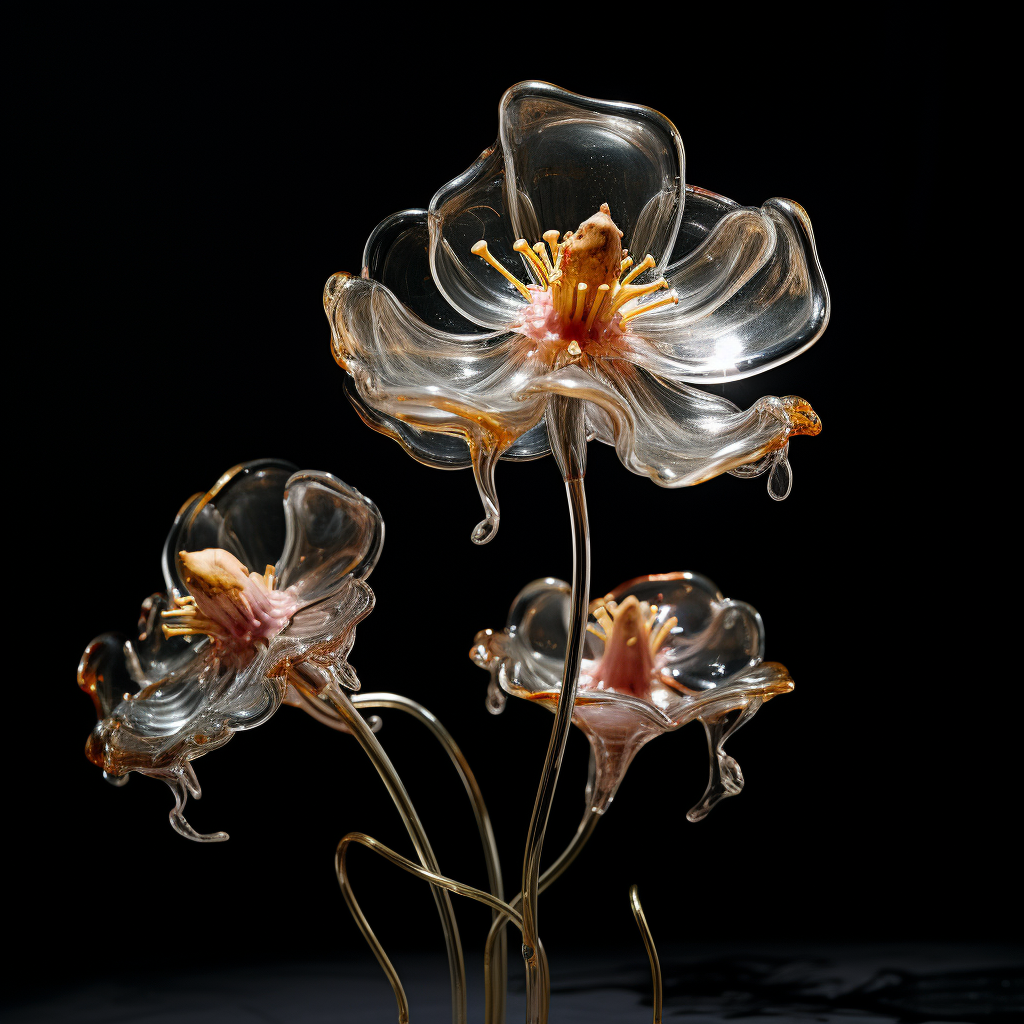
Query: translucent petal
point(779, 312)
point(714, 638)
point(466, 210)
point(675, 434)
point(331, 530)
point(103, 674)
point(526, 660)
point(325, 632)
point(188, 714)
point(241, 513)
point(567, 154)
point(736, 249)
point(153, 656)
point(397, 255)
point(469, 387)
point(701, 212)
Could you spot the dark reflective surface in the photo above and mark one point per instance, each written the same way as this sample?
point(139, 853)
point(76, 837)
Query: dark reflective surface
point(899, 984)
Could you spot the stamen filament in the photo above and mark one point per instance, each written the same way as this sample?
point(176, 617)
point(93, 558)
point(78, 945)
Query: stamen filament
point(604, 619)
point(666, 627)
point(551, 237)
point(523, 246)
point(669, 300)
point(602, 291)
point(645, 264)
point(581, 299)
point(625, 264)
point(541, 250)
point(481, 250)
point(634, 291)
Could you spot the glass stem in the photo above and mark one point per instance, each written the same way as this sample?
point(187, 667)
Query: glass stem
point(567, 432)
point(495, 962)
point(652, 952)
point(496, 954)
point(333, 695)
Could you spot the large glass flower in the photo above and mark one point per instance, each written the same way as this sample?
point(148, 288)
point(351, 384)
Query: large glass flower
point(661, 651)
point(472, 316)
point(264, 571)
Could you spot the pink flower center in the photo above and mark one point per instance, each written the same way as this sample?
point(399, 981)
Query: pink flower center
point(631, 644)
point(585, 296)
point(226, 601)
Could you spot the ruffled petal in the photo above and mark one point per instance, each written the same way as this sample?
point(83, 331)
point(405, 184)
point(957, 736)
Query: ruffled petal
point(770, 304)
point(738, 247)
point(439, 385)
point(466, 210)
point(331, 531)
point(241, 513)
point(325, 632)
point(566, 154)
point(714, 638)
point(701, 212)
point(675, 434)
point(151, 655)
point(397, 254)
point(187, 714)
point(526, 659)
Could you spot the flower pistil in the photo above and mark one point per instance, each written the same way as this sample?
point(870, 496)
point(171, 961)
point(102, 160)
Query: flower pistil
point(226, 601)
point(586, 279)
point(631, 643)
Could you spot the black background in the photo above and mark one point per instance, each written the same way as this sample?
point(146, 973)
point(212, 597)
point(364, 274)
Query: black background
point(200, 185)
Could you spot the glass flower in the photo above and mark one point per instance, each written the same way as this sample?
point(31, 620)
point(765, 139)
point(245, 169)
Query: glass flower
point(661, 651)
point(214, 652)
point(471, 316)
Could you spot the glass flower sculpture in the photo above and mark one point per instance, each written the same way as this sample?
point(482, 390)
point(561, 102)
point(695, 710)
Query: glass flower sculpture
point(215, 651)
point(661, 651)
point(474, 317)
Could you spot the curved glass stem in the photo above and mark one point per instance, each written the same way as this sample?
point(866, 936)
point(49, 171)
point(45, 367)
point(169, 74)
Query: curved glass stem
point(496, 952)
point(495, 962)
point(652, 953)
point(567, 433)
point(441, 881)
point(333, 695)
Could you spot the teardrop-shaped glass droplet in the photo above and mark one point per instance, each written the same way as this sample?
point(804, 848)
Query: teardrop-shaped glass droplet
point(780, 479)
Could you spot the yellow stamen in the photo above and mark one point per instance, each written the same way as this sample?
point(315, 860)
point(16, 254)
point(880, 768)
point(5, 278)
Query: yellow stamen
point(602, 291)
point(523, 246)
point(565, 307)
point(181, 610)
point(551, 237)
point(645, 264)
point(634, 291)
point(666, 627)
point(604, 619)
point(581, 299)
point(625, 264)
point(541, 250)
point(669, 300)
point(596, 630)
point(268, 577)
point(481, 250)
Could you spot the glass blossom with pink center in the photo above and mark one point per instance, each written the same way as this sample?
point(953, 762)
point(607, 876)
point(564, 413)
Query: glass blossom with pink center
point(661, 651)
point(215, 651)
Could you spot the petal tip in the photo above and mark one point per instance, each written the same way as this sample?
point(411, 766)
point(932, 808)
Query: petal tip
point(803, 420)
